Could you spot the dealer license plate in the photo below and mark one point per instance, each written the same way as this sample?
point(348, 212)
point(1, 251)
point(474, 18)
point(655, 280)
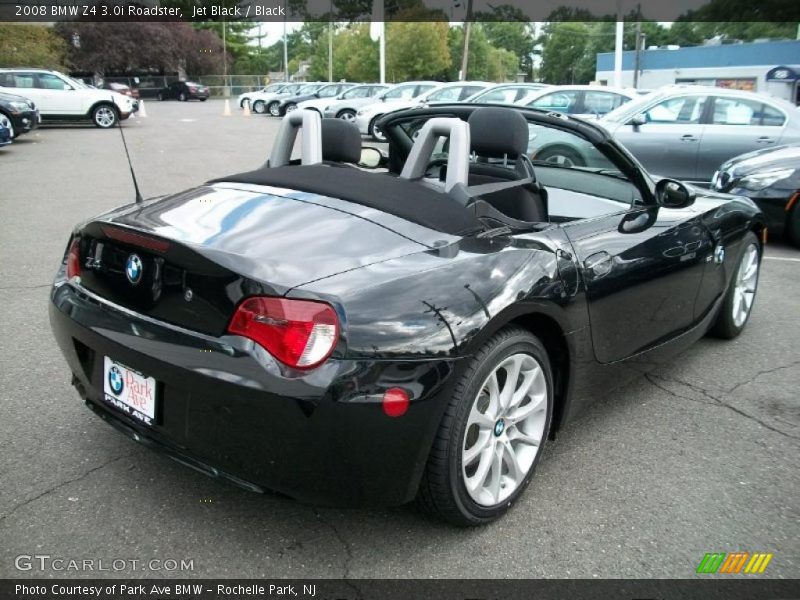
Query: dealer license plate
point(129, 391)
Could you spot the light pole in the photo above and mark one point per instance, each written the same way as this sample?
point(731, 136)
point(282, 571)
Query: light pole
point(465, 54)
point(330, 42)
point(285, 46)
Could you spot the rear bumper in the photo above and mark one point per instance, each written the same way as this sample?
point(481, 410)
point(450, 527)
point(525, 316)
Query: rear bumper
point(319, 437)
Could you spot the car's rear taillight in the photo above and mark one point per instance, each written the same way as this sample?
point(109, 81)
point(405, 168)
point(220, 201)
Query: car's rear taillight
point(74, 259)
point(299, 333)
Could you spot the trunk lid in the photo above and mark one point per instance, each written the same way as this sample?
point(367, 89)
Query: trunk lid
point(188, 259)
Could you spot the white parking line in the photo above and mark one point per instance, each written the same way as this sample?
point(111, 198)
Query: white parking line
point(782, 258)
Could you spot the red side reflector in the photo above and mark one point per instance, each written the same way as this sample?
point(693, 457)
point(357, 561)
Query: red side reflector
point(74, 259)
point(791, 202)
point(395, 402)
point(135, 239)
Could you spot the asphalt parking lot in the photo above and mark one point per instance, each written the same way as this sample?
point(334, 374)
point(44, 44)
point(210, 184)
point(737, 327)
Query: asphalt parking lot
point(700, 456)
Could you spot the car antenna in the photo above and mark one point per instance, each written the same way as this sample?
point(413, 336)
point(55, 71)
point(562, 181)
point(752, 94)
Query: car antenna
point(138, 198)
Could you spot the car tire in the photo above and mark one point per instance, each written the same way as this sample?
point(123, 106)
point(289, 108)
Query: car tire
point(160, 96)
point(259, 107)
point(182, 97)
point(6, 121)
point(792, 227)
point(467, 485)
point(741, 294)
point(203, 99)
point(289, 107)
point(244, 102)
point(105, 116)
point(347, 115)
point(561, 155)
point(274, 108)
point(375, 132)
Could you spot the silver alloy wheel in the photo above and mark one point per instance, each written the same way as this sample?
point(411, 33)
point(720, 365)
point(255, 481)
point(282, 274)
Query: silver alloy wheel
point(6, 122)
point(258, 107)
point(745, 286)
point(291, 107)
point(348, 116)
point(377, 133)
point(104, 116)
point(274, 109)
point(504, 430)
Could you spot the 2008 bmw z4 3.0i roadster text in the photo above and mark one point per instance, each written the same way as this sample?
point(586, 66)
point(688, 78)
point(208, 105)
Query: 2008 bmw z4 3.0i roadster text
point(356, 329)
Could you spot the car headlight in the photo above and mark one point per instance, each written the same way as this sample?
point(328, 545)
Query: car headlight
point(20, 106)
point(759, 181)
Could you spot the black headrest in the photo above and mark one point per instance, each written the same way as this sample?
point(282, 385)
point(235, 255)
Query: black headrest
point(497, 132)
point(341, 141)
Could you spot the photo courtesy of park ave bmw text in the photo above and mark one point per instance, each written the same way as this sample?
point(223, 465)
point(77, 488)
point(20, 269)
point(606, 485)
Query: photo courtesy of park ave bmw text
point(399, 299)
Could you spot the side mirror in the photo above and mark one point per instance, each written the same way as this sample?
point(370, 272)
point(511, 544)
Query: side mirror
point(371, 158)
point(637, 121)
point(673, 194)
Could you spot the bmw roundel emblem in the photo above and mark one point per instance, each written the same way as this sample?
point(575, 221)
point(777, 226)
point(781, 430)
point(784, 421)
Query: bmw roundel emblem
point(134, 269)
point(115, 380)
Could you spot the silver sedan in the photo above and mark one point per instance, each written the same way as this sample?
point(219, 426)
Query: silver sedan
point(687, 132)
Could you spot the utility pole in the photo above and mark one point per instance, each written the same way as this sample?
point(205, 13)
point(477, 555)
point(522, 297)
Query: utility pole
point(330, 42)
point(225, 57)
point(618, 46)
point(285, 46)
point(465, 54)
point(638, 59)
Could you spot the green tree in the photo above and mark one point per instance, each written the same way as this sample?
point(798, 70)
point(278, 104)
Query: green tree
point(31, 46)
point(563, 46)
point(355, 55)
point(237, 36)
point(508, 28)
point(416, 50)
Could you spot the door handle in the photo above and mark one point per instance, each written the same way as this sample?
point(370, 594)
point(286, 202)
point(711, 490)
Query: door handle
point(598, 264)
point(765, 140)
point(688, 138)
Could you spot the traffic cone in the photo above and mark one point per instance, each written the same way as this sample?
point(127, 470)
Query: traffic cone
point(142, 111)
point(246, 109)
point(227, 111)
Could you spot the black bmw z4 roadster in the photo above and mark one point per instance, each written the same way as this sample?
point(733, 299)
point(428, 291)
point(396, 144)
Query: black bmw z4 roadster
point(355, 328)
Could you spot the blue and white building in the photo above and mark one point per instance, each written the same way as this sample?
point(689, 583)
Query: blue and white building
point(767, 67)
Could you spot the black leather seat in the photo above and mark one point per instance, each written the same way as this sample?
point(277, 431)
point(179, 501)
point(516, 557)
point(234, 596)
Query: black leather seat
point(501, 133)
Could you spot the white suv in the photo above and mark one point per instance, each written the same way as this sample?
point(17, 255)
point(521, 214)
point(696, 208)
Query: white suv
point(59, 97)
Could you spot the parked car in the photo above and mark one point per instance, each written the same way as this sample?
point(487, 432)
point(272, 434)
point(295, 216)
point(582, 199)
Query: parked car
point(584, 101)
point(306, 91)
point(184, 91)
point(505, 93)
point(122, 89)
point(397, 97)
point(246, 98)
point(60, 98)
point(687, 132)
point(18, 114)
point(5, 135)
point(350, 337)
point(346, 104)
point(260, 100)
point(771, 178)
point(447, 92)
point(327, 92)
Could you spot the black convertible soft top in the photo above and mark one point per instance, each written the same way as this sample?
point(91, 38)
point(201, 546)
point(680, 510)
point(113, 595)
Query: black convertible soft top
point(393, 195)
